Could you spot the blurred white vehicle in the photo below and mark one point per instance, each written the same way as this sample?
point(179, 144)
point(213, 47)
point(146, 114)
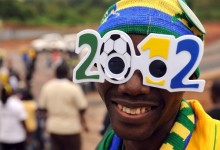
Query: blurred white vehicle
point(70, 40)
point(39, 45)
point(54, 41)
point(49, 42)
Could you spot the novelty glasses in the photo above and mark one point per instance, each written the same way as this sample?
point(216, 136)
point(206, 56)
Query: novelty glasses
point(165, 62)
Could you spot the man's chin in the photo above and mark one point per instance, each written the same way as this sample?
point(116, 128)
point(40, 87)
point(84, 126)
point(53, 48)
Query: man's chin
point(131, 135)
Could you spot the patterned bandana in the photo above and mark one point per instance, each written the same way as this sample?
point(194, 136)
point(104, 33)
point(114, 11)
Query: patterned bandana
point(150, 16)
point(177, 139)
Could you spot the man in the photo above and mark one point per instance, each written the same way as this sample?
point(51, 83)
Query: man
point(144, 112)
point(65, 105)
point(158, 125)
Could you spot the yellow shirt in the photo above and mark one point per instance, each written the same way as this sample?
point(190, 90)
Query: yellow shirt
point(30, 107)
point(206, 135)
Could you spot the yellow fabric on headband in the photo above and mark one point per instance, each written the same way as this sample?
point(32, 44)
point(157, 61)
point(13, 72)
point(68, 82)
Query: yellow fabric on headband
point(170, 7)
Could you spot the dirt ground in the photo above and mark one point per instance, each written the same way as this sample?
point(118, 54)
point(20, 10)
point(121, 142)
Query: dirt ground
point(96, 110)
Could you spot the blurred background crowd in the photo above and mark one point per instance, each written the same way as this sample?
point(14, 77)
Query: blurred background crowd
point(37, 36)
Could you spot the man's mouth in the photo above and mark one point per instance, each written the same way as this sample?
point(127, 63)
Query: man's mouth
point(134, 111)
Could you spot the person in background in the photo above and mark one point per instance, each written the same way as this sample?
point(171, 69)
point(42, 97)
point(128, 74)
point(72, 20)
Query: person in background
point(4, 78)
point(2, 56)
point(65, 105)
point(14, 76)
point(29, 57)
point(215, 97)
point(41, 136)
point(13, 131)
point(30, 107)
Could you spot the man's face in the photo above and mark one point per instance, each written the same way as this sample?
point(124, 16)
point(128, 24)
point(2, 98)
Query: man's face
point(136, 111)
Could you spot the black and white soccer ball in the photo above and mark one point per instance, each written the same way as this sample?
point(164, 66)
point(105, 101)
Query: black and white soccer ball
point(115, 58)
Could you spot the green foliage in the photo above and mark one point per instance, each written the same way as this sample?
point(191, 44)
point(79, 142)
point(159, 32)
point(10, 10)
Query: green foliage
point(214, 14)
point(16, 10)
point(54, 12)
point(76, 12)
point(206, 9)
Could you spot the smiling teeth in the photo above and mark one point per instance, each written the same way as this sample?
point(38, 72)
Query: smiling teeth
point(134, 111)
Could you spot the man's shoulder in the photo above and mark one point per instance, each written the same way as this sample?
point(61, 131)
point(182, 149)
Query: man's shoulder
point(51, 83)
point(203, 120)
point(200, 113)
point(206, 130)
point(71, 84)
point(63, 84)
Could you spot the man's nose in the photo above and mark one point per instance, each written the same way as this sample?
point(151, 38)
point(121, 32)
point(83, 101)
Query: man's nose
point(134, 86)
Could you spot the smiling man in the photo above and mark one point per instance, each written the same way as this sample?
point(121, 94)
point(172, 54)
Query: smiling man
point(147, 56)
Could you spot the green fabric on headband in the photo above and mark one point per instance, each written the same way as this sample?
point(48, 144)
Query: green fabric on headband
point(141, 29)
